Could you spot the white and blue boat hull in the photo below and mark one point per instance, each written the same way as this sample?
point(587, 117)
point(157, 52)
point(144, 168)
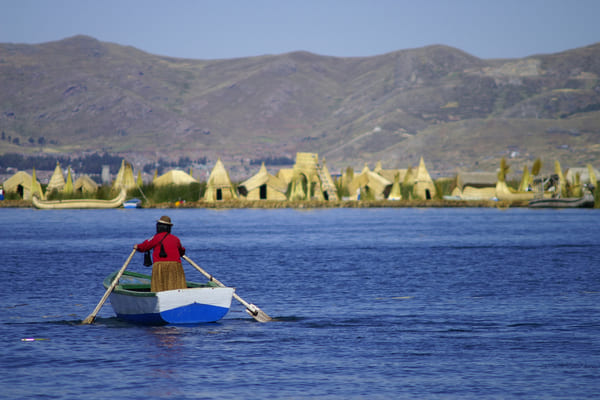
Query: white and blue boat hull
point(193, 305)
point(182, 306)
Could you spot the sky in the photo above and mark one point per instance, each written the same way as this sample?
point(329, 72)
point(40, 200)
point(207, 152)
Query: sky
point(222, 29)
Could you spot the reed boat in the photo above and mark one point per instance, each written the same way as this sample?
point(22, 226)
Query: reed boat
point(132, 301)
point(79, 203)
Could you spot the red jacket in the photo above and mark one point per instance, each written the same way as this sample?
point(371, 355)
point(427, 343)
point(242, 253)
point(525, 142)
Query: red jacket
point(171, 243)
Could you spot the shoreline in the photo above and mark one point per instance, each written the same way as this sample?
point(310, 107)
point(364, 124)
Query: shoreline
point(277, 204)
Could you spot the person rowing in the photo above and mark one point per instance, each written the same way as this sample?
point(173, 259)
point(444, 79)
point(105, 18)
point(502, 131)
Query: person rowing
point(167, 271)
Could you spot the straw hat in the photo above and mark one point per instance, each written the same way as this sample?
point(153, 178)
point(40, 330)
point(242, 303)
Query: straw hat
point(165, 220)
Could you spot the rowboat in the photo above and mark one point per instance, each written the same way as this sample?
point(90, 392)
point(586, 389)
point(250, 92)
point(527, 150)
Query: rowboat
point(133, 203)
point(79, 203)
point(132, 301)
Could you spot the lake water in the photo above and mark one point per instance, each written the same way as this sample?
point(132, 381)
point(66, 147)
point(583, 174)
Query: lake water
point(369, 304)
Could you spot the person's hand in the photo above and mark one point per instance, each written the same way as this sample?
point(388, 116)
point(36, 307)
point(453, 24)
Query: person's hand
point(135, 246)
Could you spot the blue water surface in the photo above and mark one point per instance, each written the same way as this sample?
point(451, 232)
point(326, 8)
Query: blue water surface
point(399, 303)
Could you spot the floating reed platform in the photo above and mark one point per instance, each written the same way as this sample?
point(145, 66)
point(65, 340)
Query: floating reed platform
point(274, 204)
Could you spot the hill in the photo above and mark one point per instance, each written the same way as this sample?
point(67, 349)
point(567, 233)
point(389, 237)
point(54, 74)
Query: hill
point(456, 110)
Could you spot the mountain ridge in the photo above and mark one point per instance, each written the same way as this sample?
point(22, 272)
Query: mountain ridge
point(454, 109)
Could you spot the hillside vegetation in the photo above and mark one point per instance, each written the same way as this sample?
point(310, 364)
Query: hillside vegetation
point(456, 110)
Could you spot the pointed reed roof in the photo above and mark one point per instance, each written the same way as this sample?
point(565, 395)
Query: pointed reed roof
point(422, 173)
point(36, 187)
point(526, 180)
point(326, 176)
point(174, 177)
point(592, 176)
point(219, 177)
point(57, 180)
point(124, 177)
point(68, 189)
point(395, 193)
point(562, 183)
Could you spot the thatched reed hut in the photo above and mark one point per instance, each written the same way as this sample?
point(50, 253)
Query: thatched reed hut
point(85, 184)
point(369, 185)
point(423, 188)
point(219, 186)
point(263, 186)
point(309, 180)
point(24, 185)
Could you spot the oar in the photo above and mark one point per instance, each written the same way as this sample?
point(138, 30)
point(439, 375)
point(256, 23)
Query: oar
point(251, 309)
point(90, 318)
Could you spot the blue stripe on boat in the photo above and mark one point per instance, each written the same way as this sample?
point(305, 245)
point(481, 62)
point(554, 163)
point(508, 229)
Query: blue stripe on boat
point(182, 315)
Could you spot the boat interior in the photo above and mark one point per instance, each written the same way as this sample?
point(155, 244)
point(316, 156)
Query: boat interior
point(145, 287)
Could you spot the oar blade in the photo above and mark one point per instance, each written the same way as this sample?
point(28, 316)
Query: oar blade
point(260, 316)
point(90, 319)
